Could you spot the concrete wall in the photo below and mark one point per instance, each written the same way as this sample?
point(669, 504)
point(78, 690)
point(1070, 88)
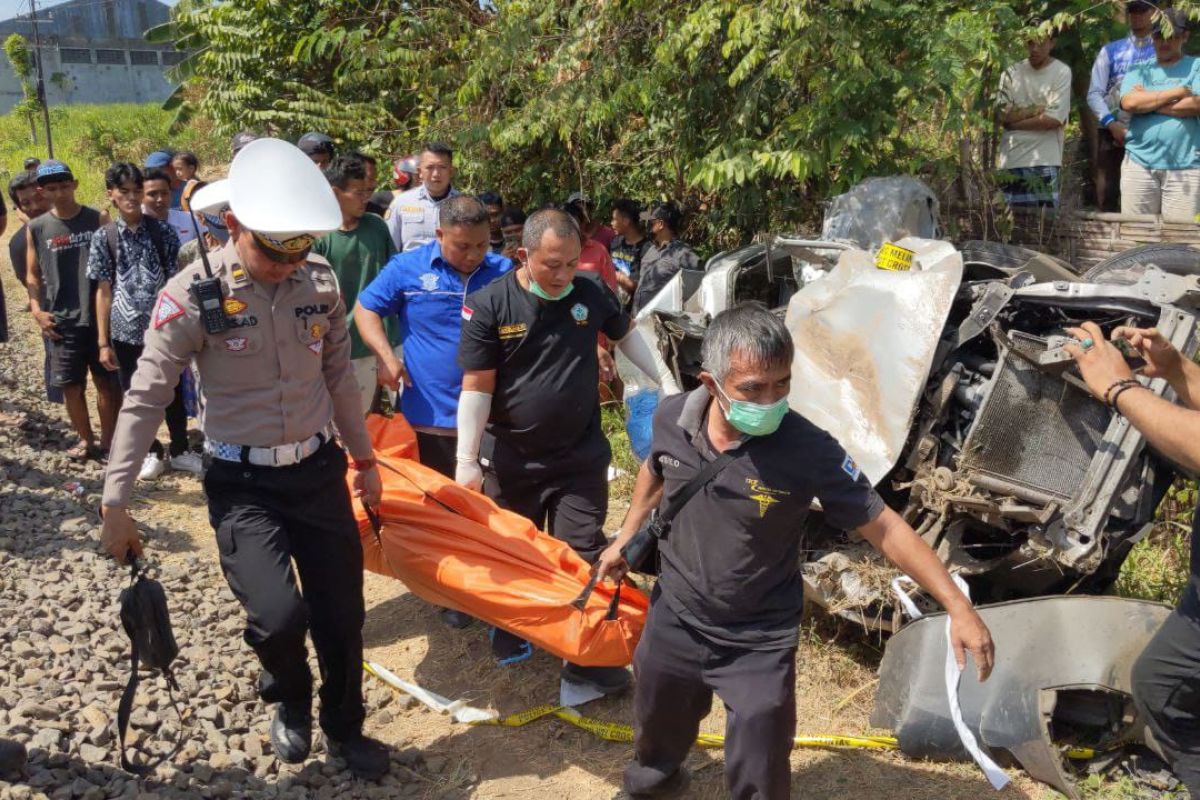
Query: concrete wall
point(90, 83)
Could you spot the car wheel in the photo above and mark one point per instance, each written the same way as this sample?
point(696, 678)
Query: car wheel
point(996, 260)
point(1127, 268)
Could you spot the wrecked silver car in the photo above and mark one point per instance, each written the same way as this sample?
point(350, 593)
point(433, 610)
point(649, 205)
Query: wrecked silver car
point(947, 383)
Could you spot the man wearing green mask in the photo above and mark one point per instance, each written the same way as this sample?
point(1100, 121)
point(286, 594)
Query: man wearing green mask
point(529, 413)
point(725, 612)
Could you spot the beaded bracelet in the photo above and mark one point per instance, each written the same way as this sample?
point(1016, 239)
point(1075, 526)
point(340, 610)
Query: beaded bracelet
point(1121, 391)
point(1124, 383)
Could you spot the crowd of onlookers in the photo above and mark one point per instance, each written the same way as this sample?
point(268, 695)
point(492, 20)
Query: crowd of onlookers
point(92, 275)
point(1145, 98)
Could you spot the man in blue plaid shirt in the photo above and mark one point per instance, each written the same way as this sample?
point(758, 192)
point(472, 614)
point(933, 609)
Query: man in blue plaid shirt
point(130, 260)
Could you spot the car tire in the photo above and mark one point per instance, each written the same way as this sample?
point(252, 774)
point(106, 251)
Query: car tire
point(1127, 268)
point(988, 260)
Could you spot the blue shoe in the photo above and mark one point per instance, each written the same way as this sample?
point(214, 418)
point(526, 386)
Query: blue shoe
point(509, 649)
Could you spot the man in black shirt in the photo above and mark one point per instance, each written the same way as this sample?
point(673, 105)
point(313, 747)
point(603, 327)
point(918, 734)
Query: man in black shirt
point(529, 413)
point(629, 245)
point(726, 609)
point(665, 256)
point(29, 200)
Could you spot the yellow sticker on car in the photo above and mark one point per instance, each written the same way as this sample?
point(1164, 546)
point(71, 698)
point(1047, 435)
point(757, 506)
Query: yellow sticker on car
point(894, 259)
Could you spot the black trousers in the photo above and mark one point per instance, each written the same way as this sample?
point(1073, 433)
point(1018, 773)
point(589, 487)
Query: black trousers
point(438, 452)
point(677, 671)
point(1166, 690)
point(127, 358)
point(266, 518)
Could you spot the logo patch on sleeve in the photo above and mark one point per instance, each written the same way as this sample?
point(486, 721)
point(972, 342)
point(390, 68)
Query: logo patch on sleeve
point(316, 331)
point(236, 344)
point(167, 310)
point(234, 306)
point(850, 467)
point(317, 346)
point(467, 314)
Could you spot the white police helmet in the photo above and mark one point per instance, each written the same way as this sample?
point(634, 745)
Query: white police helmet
point(281, 196)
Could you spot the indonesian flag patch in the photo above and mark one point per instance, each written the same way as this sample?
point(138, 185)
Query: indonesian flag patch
point(467, 314)
point(168, 309)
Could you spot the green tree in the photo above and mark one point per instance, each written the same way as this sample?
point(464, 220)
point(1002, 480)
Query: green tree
point(19, 57)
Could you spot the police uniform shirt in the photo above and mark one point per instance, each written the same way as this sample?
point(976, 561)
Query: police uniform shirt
point(413, 217)
point(730, 566)
point(278, 375)
point(546, 407)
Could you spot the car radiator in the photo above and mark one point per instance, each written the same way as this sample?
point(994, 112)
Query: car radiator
point(1035, 434)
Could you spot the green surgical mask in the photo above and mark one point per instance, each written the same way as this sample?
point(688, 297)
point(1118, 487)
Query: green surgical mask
point(754, 419)
point(538, 291)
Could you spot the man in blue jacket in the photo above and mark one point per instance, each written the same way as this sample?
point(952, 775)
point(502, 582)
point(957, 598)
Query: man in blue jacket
point(1104, 99)
point(425, 288)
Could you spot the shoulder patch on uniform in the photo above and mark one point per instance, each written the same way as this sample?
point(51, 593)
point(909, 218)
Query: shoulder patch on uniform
point(467, 314)
point(850, 467)
point(317, 346)
point(167, 310)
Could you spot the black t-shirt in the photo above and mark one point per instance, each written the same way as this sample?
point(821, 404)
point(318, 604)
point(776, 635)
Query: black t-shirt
point(731, 562)
point(628, 257)
point(62, 252)
point(546, 408)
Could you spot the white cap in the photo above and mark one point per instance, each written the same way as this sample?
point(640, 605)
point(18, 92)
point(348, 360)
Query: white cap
point(274, 189)
point(211, 198)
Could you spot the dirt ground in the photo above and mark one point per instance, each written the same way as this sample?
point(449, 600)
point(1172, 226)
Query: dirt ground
point(549, 758)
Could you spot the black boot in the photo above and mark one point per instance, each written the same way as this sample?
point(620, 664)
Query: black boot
point(291, 732)
point(607, 680)
point(365, 757)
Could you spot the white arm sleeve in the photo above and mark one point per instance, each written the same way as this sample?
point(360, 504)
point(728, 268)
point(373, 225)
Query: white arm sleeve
point(644, 357)
point(1097, 96)
point(474, 408)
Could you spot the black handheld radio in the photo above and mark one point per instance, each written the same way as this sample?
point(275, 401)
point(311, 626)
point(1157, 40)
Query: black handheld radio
point(208, 292)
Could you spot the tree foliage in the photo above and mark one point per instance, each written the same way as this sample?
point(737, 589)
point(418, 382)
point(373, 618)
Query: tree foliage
point(749, 111)
point(21, 60)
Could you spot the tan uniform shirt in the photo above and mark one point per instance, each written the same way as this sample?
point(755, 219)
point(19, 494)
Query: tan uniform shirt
point(278, 375)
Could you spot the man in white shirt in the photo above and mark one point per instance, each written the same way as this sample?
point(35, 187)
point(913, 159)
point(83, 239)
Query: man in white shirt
point(1034, 100)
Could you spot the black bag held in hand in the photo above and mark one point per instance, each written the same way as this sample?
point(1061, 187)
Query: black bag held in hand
point(641, 552)
point(151, 641)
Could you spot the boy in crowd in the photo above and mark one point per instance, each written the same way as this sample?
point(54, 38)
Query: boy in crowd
point(164, 160)
point(157, 197)
point(357, 252)
point(629, 245)
point(130, 260)
point(29, 200)
point(512, 226)
point(61, 299)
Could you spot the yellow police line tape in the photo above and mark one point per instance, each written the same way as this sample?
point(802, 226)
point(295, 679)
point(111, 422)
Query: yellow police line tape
point(617, 732)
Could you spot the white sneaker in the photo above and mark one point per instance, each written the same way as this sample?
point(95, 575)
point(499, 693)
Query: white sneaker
point(188, 462)
point(152, 467)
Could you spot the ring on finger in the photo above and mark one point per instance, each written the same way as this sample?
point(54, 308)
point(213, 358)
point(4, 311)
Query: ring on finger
point(1087, 343)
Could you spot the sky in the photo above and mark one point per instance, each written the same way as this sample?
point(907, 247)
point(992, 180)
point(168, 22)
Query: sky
point(10, 8)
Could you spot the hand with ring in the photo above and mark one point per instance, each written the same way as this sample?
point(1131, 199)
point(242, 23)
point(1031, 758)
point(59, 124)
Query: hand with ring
point(1100, 362)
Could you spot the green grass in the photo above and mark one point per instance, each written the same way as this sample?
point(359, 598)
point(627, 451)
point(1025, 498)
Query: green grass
point(91, 137)
point(1158, 567)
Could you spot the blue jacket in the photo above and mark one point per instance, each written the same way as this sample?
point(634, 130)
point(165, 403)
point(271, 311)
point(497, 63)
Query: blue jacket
point(1112, 64)
point(427, 294)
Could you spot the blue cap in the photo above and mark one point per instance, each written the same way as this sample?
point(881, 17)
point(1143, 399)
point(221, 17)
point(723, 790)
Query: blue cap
point(159, 159)
point(54, 170)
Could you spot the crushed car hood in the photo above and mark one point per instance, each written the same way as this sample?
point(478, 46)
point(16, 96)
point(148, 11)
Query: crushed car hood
point(865, 341)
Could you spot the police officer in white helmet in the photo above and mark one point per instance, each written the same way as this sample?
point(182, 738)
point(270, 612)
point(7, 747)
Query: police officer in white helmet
point(266, 328)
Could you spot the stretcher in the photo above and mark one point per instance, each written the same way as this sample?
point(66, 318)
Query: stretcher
point(456, 548)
